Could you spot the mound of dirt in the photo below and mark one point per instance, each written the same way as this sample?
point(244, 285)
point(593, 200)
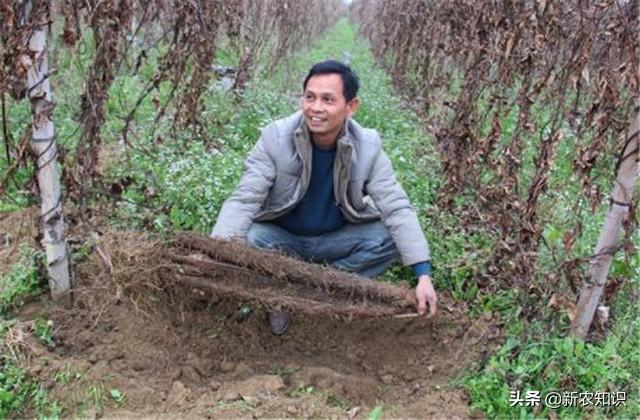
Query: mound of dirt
point(200, 356)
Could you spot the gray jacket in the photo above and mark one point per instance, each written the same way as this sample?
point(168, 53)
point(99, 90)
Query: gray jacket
point(277, 174)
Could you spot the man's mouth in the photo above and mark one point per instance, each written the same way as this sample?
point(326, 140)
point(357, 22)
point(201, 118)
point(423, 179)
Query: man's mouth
point(316, 119)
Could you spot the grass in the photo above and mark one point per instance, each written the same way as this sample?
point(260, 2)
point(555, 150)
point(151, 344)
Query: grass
point(18, 391)
point(21, 283)
point(117, 396)
point(96, 397)
point(376, 413)
point(563, 365)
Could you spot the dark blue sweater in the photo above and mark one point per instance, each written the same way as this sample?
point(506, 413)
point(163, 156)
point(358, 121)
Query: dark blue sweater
point(318, 212)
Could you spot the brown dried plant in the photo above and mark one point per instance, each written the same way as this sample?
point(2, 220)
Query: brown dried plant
point(191, 33)
point(565, 73)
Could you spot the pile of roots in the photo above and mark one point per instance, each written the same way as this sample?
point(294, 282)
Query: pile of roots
point(230, 269)
point(199, 268)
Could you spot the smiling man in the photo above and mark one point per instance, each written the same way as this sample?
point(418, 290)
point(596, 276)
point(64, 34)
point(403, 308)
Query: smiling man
point(319, 187)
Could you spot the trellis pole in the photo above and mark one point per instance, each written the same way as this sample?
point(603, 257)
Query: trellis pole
point(43, 145)
point(623, 188)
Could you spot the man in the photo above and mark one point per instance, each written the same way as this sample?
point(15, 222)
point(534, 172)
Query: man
point(318, 186)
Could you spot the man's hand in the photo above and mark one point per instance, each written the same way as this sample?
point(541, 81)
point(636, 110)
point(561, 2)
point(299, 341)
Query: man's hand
point(425, 293)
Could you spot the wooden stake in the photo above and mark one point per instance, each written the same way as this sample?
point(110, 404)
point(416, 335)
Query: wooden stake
point(609, 236)
point(43, 145)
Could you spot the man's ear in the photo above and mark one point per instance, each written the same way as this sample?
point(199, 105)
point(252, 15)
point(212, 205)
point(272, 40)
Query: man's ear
point(352, 106)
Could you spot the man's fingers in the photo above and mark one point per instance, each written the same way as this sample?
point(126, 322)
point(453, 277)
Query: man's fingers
point(433, 305)
point(422, 305)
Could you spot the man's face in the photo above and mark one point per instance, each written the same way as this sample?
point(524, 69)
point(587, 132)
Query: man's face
point(324, 106)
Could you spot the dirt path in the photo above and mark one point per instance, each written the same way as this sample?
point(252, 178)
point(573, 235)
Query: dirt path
point(199, 359)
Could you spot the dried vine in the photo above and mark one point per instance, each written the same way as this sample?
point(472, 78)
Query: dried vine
point(124, 31)
point(108, 21)
point(471, 66)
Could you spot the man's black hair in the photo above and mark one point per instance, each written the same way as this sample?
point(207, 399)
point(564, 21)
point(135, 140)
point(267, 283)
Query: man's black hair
point(350, 81)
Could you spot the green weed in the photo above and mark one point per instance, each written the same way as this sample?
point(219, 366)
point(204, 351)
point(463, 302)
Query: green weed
point(117, 396)
point(280, 370)
point(66, 376)
point(376, 413)
point(21, 283)
point(302, 390)
point(18, 392)
point(42, 328)
point(563, 365)
point(239, 405)
point(96, 397)
point(335, 401)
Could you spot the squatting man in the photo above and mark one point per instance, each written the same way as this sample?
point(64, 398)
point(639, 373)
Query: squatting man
point(319, 187)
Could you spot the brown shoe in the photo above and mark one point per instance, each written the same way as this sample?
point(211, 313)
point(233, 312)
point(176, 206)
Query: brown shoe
point(279, 321)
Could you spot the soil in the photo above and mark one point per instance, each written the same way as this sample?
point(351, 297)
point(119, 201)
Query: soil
point(167, 355)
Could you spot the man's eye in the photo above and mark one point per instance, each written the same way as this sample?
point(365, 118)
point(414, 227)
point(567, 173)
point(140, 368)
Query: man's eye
point(329, 100)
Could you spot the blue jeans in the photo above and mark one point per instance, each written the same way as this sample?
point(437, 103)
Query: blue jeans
point(364, 249)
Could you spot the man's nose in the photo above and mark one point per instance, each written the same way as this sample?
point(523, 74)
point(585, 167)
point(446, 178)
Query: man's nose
point(316, 105)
